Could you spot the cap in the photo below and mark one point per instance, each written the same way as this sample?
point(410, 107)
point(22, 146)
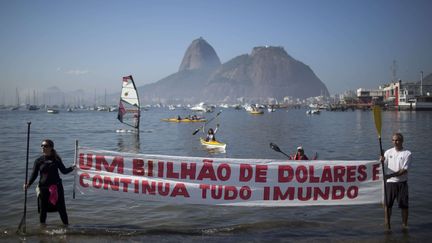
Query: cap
point(299, 148)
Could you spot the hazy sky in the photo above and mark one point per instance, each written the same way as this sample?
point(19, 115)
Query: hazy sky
point(92, 44)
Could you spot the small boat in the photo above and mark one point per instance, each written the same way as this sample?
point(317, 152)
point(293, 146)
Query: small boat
point(202, 107)
point(102, 108)
point(254, 109)
point(52, 111)
point(314, 111)
point(112, 108)
point(33, 108)
point(257, 112)
point(183, 120)
point(213, 144)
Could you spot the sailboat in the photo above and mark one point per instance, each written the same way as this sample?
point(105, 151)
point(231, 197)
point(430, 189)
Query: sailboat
point(129, 106)
point(14, 108)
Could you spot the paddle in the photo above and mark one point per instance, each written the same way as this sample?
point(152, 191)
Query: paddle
point(277, 149)
point(22, 224)
point(197, 130)
point(75, 162)
point(378, 123)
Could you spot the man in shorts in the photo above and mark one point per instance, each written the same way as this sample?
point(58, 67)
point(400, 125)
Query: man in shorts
point(396, 163)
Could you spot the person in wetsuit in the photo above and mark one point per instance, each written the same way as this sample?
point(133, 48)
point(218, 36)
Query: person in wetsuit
point(50, 189)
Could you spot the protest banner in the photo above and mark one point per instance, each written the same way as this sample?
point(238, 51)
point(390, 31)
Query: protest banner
point(226, 181)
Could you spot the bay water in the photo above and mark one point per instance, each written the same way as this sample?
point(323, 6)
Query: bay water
point(349, 135)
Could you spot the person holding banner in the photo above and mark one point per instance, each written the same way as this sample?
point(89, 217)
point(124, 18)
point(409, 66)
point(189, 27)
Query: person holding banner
point(300, 155)
point(50, 189)
point(396, 163)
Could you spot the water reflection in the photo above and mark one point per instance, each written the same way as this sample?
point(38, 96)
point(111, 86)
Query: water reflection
point(128, 142)
point(214, 150)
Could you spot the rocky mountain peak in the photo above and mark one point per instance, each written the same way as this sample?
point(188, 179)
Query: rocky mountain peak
point(266, 72)
point(266, 50)
point(200, 54)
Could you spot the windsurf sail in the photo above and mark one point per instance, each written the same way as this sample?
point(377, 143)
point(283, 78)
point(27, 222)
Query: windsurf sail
point(129, 105)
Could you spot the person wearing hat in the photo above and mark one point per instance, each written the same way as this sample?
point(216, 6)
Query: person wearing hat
point(300, 154)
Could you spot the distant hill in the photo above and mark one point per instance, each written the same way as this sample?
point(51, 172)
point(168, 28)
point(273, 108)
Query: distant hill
point(268, 72)
point(183, 86)
point(428, 79)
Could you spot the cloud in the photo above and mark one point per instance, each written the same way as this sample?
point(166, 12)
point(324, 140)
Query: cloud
point(77, 72)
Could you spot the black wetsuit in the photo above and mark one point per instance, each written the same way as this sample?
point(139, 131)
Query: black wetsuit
point(49, 175)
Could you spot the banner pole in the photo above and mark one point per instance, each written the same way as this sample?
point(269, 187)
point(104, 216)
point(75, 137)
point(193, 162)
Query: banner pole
point(22, 226)
point(75, 163)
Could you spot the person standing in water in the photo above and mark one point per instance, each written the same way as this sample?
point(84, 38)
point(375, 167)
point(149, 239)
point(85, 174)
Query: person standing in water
point(50, 189)
point(396, 161)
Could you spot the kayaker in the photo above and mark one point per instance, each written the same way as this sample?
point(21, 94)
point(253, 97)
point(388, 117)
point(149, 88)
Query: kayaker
point(300, 154)
point(50, 189)
point(396, 161)
point(211, 134)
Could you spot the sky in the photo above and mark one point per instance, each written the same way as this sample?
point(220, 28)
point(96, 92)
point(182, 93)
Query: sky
point(91, 44)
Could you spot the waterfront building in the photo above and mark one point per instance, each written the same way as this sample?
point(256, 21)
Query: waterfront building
point(369, 96)
point(407, 96)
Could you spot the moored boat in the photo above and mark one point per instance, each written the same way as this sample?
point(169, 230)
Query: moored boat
point(33, 108)
point(314, 111)
point(52, 111)
point(202, 107)
point(256, 112)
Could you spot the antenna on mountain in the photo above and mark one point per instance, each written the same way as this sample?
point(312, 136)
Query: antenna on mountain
point(394, 68)
point(421, 83)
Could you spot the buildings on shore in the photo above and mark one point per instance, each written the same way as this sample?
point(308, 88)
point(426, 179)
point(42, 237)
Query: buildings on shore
point(397, 95)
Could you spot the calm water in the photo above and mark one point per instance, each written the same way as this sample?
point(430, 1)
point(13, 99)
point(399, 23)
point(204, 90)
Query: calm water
point(334, 135)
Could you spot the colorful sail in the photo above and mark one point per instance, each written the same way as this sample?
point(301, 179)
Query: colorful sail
point(129, 106)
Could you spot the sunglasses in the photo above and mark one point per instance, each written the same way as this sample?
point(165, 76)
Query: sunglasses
point(45, 146)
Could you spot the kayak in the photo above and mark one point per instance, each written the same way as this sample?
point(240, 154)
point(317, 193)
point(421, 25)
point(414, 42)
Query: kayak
point(256, 112)
point(212, 144)
point(183, 120)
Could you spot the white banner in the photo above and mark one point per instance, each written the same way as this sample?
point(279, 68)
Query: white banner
point(225, 181)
